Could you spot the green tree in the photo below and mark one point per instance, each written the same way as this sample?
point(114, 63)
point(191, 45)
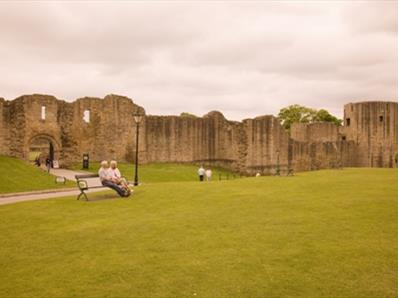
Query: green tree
point(324, 116)
point(296, 113)
point(300, 114)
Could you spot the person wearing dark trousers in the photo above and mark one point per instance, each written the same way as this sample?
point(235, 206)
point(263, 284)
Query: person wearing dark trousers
point(120, 191)
point(201, 173)
point(48, 164)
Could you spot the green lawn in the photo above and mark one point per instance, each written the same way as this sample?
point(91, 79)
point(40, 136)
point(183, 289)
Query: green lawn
point(317, 234)
point(162, 172)
point(19, 176)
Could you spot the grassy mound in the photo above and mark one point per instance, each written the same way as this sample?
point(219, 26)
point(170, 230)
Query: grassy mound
point(318, 234)
point(162, 172)
point(19, 176)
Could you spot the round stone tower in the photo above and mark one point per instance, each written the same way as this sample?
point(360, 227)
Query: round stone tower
point(373, 126)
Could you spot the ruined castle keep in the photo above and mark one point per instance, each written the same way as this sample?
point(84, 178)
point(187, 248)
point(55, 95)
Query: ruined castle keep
point(105, 129)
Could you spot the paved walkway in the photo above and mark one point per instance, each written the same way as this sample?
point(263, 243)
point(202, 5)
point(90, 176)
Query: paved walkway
point(52, 193)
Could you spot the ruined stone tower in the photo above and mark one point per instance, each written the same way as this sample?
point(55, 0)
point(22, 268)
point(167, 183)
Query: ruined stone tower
point(373, 127)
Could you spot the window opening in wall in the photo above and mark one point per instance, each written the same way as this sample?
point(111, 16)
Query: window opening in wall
point(43, 113)
point(86, 116)
point(348, 121)
point(381, 118)
point(343, 138)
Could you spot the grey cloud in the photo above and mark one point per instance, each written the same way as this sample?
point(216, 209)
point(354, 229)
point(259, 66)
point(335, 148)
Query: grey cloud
point(242, 58)
point(372, 17)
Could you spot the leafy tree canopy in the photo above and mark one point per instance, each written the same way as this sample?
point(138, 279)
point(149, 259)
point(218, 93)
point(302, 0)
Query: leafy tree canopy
point(300, 114)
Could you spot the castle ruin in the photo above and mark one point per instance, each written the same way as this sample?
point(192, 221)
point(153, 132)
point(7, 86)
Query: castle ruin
point(105, 129)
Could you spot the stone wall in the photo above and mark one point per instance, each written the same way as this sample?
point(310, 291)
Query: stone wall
point(208, 140)
point(315, 146)
point(4, 130)
point(267, 145)
point(109, 134)
point(314, 132)
point(369, 137)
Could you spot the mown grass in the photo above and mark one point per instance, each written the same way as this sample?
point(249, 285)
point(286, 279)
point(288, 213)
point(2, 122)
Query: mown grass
point(19, 176)
point(318, 234)
point(162, 172)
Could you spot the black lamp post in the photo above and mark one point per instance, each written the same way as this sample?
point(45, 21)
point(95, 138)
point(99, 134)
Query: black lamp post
point(278, 169)
point(137, 120)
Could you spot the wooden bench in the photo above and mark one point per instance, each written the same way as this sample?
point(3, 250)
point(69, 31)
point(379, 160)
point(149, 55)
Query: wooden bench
point(83, 185)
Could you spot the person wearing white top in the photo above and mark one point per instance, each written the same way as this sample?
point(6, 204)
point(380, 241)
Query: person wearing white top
point(117, 176)
point(201, 173)
point(104, 173)
point(106, 178)
point(208, 174)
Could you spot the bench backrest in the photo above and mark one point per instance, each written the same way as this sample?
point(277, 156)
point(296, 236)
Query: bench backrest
point(85, 176)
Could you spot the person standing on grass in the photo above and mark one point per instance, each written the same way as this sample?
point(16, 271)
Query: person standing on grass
point(208, 175)
point(105, 176)
point(201, 173)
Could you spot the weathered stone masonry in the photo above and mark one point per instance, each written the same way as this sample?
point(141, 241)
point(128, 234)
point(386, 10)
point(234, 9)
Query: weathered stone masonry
point(369, 137)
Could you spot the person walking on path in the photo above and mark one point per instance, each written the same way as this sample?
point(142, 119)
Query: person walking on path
point(201, 173)
point(48, 164)
point(208, 175)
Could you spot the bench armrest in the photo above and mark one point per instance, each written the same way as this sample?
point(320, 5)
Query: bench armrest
point(82, 184)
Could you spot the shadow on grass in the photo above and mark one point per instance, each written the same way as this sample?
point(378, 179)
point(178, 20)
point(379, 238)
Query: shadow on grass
point(96, 197)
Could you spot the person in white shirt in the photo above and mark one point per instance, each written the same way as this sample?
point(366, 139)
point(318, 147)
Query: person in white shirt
point(117, 176)
point(201, 173)
point(105, 176)
point(208, 174)
point(103, 172)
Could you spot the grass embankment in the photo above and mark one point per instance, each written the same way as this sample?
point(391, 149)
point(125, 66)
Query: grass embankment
point(162, 172)
point(318, 234)
point(19, 176)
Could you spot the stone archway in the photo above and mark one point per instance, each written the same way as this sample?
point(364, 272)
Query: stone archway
point(42, 146)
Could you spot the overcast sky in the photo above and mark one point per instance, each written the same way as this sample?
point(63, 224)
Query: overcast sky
point(242, 58)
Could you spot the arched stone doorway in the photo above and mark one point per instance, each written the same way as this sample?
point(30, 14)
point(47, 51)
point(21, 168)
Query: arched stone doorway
point(41, 147)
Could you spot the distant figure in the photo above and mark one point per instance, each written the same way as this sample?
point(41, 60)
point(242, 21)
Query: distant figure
point(105, 176)
point(208, 174)
point(117, 177)
point(258, 174)
point(48, 164)
point(201, 173)
point(37, 161)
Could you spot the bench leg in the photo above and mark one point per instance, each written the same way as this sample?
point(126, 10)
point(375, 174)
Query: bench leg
point(82, 194)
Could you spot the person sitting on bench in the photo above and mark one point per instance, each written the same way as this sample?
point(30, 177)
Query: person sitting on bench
point(117, 177)
point(106, 179)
